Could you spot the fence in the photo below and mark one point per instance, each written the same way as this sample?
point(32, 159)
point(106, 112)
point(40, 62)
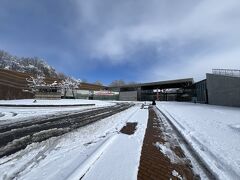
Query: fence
point(227, 72)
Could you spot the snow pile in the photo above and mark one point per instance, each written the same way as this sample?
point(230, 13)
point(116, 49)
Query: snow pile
point(176, 174)
point(235, 127)
point(166, 150)
point(213, 131)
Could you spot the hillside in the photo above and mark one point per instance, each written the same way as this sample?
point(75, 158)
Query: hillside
point(30, 65)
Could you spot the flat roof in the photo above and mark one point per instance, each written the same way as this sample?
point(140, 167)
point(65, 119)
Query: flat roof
point(160, 84)
point(90, 86)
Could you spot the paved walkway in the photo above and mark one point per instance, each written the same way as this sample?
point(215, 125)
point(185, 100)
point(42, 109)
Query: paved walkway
point(161, 159)
point(119, 159)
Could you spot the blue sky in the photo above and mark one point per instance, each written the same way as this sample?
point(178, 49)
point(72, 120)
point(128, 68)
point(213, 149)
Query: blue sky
point(144, 40)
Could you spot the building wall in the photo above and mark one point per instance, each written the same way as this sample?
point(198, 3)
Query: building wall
point(201, 92)
point(105, 97)
point(9, 92)
point(128, 96)
point(223, 90)
point(171, 97)
point(147, 95)
point(91, 87)
point(48, 96)
point(13, 84)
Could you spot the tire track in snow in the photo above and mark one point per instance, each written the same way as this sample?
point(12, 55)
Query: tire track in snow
point(16, 137)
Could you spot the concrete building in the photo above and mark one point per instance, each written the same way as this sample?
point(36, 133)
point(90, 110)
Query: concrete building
point(223, 90)
point(161, 90)
point(222, 87)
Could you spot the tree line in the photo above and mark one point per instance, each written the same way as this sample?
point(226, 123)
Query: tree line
point(30, 65)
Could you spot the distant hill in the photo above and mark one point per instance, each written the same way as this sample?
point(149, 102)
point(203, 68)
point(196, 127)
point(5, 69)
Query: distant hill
point(31, 65)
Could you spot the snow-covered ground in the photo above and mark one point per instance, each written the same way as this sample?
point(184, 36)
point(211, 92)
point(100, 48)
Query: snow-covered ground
point(97, 151)
point(10, 114)
point(55, 102)
point(213, 131)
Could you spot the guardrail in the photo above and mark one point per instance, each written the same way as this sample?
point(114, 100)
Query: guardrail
point(227, 72)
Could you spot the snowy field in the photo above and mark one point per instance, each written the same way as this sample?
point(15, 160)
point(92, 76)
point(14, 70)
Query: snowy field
point(213, 131)
point(11, 114)
point(54, 102)
point(91, 152)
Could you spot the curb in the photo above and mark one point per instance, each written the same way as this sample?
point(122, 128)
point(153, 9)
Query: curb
point(70, 105)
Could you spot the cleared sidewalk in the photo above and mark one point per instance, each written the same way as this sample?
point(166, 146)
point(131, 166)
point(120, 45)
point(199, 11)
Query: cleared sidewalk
point(161, 156)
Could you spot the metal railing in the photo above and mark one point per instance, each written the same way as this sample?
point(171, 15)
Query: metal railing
point(227, 72)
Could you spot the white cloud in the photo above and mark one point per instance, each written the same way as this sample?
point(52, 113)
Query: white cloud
point(197, 66)
point(119, 25)
point(121, 28)
point(161, 38)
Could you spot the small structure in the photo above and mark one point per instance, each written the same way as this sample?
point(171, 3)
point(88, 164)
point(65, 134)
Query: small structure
point(42, 90)
point(94, 92)
point(48, 92)
point(69, 85)
point(105, 95)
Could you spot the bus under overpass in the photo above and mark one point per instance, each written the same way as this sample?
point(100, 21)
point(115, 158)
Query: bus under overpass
point(171, 90)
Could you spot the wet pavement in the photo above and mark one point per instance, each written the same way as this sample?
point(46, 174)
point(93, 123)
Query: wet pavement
point(162, 157)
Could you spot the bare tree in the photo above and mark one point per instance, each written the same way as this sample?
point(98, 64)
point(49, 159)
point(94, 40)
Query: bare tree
point(70, 84)
point(132, 82)
point(117, 83)
point(31, 65)
point(98, 83)
point(84, 80)
point(34, 82)
point(61, 76)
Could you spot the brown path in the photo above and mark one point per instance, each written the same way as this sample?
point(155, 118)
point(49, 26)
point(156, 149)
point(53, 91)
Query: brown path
point(155, 165)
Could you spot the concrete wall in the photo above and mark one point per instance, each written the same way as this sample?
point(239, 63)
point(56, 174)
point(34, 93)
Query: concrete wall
point(128, 96)
point(56, 95)
point(223, 90)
